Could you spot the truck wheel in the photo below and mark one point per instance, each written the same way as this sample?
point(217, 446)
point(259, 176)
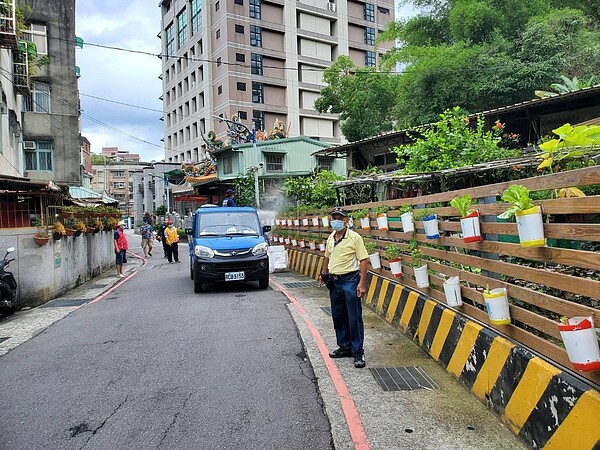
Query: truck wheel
point(197, 282)
point(191, 272)
point(263, 283)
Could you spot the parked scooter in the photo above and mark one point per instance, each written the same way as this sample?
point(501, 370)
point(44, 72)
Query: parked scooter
point(8, 286)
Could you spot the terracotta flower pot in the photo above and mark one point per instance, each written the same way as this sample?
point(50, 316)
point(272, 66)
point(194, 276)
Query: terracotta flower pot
point(70, 231)
point(41, 240)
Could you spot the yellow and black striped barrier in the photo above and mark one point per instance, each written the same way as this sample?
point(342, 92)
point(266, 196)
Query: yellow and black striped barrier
point(541, 403)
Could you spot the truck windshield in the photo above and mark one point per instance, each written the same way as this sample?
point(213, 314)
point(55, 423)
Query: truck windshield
point(229, 224)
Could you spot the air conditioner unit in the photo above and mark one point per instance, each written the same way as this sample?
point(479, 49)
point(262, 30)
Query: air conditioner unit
point(29, 145)
point(331, 6)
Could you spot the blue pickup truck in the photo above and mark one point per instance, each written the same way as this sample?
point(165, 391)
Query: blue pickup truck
point(228, 244)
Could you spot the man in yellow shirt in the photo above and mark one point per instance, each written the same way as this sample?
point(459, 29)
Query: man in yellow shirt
point(346, 262)
point(172, 238)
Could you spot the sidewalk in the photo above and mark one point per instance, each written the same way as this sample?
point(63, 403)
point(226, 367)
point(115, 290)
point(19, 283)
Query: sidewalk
point(443, 416)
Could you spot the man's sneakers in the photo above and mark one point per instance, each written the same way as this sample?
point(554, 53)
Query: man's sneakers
point(359, 361)
point(341, 353)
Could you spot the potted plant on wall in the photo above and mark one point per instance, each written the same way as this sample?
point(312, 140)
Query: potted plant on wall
point(42, 236)
point(70, 224)
point(581, 343)
point(408, 225)
point(530, 225)
point(362, 215)
point(469, 218)
point(373, 252)
point(430, 222)
point(452, 291)
point(325, 216)
point(496, 304)
point(419, 269)
point(80, 227)
point(59, 231)
point(392, 254)
point(382, 219)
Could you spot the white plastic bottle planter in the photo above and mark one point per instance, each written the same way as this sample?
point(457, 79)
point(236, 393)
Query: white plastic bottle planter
point(407, 222)
point(312, 245)
point(431, 227)
point(325, 221)
point(452, 291)
point(421, 276)
point(365, 223)
point(322, 246)
point(294, 242)
point(375, 260)
point(281, 239)
point(581, 343)
point(305, 222)
point(289, 222)
point(302, 245)
point(396, 267)
point(277, 222)
point(287, 241)
point(315, 221)
point(382, 222)
point(296, 222)
point(469, 226)
point(530, 227)
point(496, 303)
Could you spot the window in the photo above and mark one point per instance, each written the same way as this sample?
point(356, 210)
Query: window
point(38, 100)
point(196, 16)
point(241, 86)
point(181, 28)
point(238, 2)
point(256, 64)
point(240, 57)
point(369, 35)
point(219, 90)
point(255, 9)
point(257, 92)
point(40, 158)
point(119, 185)
point(325, 163)
point(369, 12)
point(218, 34)
point(274, 162)
point(369, 58)
point(242, 115)
point(227, 165)
point(36, 33)
point(239, 28)
point(170, 41)
point(255, 36)
point(258, 117)
point(383, 10)
point(118, 174)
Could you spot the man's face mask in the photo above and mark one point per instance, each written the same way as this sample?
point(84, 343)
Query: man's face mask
point(337, 224)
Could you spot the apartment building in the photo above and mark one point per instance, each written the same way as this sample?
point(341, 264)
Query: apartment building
point(116, 180)
point(259, 60)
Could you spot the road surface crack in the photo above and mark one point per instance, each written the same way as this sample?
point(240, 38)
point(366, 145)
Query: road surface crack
point(94, 431)
point(172, 424)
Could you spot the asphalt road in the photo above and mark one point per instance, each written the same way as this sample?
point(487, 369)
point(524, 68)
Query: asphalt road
point(153, 365)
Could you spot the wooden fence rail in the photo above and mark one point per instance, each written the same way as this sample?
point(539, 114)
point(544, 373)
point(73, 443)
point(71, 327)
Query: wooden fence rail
point(543, 283)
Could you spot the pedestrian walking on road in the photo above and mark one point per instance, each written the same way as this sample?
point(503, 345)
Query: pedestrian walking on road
point(228, 201)
point(172, 238)
point(161, 237)
point(345, 265)
point(121, 246)
point(146, 231)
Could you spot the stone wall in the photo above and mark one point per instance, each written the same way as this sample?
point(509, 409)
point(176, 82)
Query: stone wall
point(46, 272)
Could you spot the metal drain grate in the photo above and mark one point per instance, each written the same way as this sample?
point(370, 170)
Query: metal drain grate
point(301, 284)
point(282, 274)
point(326, 310)
point(402, 378)
point(2, 339)
point(65, 302)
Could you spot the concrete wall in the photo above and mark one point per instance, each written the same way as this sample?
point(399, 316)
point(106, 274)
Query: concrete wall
point(46, 272)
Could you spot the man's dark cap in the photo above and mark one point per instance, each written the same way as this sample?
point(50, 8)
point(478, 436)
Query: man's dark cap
point(230, 191)
point(339, 211)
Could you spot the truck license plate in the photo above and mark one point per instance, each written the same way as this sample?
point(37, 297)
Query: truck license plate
point(233, 276)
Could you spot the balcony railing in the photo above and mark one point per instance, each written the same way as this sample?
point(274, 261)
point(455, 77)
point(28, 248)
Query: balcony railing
point(21, 69)
point(8, 24)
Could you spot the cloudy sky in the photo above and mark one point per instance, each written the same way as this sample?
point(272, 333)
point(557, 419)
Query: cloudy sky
point(121, 76)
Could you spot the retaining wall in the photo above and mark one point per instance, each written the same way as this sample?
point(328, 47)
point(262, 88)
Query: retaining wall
point(545, 405)
point(46, 272)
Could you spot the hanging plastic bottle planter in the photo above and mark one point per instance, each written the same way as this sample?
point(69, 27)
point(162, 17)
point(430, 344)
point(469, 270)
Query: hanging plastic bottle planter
point(581, 343)
point(496, 304)
point(277, 222)
point(431, 227)
point(322, 246)
point(281, 239)
point(325, 221)
point(408, 224)
point(315, 221)
point(305, 221)
point(421, 276)
point(312, 245)
point(289, 222)
point(287, 241)
point(452, 292)
point(396, 267)
point(530, 226)
point(365, 223)
point(375, 260)
point(301, 243)
point(382, 222)
point(296, 222)
point(470, 227)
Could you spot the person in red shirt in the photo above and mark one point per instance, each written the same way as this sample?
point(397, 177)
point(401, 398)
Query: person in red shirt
point(121, 247)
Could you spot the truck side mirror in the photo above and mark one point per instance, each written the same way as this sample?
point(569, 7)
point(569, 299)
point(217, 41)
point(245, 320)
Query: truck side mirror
point(266, 228)
point(189, 231)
